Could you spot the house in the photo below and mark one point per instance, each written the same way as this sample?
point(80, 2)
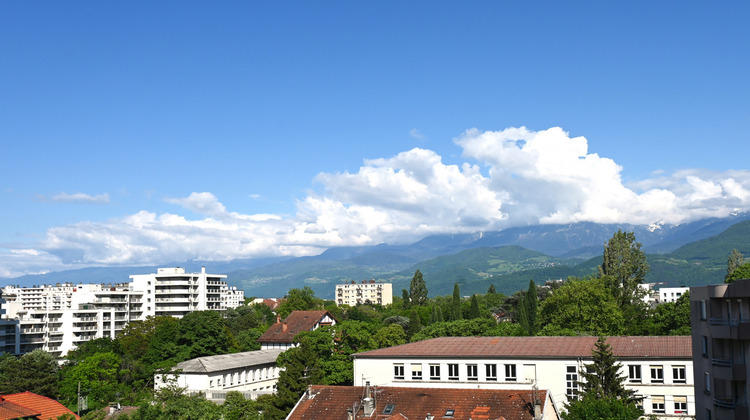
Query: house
point(281, 334)
point(399, 403)
point(720, 321)
point(252, 372)
point(655, 367)
point(43, 408)
point(368, 292)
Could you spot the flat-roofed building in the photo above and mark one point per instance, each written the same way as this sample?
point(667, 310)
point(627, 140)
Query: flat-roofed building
point(367, 292)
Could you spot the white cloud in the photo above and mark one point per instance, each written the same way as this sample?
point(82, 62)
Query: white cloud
point(510, 178)
point(81, 198)
point(416, 134)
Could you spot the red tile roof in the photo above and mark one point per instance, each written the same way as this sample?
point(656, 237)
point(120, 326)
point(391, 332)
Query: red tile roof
point(675, 347)
point(332, 402)
point(295, 323)
point(10, 410)
point(49, 408)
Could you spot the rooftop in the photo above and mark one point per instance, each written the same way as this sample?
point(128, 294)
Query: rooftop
point(635, 347)
point(391, 403)
point(222, 362)
point(295, 323)
point(49, 408)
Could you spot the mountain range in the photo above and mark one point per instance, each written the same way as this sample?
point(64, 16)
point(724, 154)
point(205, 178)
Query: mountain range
point(688, 254)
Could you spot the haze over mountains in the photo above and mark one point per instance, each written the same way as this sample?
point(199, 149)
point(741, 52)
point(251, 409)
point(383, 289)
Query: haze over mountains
point(688, 254)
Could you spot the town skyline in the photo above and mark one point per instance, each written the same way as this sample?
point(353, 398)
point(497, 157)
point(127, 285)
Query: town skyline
point(142, 134)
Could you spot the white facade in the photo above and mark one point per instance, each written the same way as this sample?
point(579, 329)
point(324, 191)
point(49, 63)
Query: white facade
point(252, 373)
point(58, 318)
point(353, 293)
point(665, 385)
point(671, 294)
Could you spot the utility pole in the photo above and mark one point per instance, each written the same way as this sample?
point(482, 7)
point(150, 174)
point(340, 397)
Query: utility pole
point(78, 402)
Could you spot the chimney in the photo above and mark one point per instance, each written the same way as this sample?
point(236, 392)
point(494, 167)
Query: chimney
point(284, 327)
point(368, 404)
point(537, 410)
point(278, 319)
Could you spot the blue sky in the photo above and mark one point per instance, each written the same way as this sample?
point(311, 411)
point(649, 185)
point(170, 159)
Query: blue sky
point(145, 132)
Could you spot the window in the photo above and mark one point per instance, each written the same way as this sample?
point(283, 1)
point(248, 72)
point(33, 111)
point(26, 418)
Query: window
point(434, 372)
point(680, 404)
point(416, 372)
point(708, 414)
point(703, 310)
point(471, 373)
point(449, 413)
point(704, 345)
point(657, 404)
point(452, 371)
point(389, 407)
point(571, 382)
point(678, 374)
point(634, 373)
point(657, 374)
point(491, 372)
point(706, 382)
point(510, 372)
point(398, 371)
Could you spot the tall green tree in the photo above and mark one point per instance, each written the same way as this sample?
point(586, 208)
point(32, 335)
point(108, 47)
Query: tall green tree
point(415, 323)
point(35, 372)
point(203, 333)
point(299, 300)
point(456, 304)
point(300, 369)
point(528, 309)
point(491, 290)
point(406, 299)
point(474, 311)
point(741, 272)
point(734, 261)
point(602, 377)
point(418, 289)
point(624, 265)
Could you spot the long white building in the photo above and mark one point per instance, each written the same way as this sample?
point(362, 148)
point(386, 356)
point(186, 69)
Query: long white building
point(58, 318)
point(656, 368)
point(366, 292)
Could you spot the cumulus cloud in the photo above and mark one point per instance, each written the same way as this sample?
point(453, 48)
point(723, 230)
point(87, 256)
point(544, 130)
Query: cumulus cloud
point(81, 198)
point(509, 178)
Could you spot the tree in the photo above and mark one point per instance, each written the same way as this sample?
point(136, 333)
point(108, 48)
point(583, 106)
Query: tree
point(203, 333)
point(35, 372)
point(415, 324)
point(734, 261)
point(300, 368)
point(584, 306)
point(99, 379)
point(528, 308)
point(418, 290)
point(299, 300)
point(456, 304)
point(474, 311)
point(601, 409)
point(389, 336)
point(741, 272)
point(602, 378)
point(491, 290)
point(626, 265)
point(405, 297)
point(672, 318)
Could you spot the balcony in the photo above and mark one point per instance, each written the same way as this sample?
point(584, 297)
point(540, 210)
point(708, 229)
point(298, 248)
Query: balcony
point(730, 329)
point(729, 370)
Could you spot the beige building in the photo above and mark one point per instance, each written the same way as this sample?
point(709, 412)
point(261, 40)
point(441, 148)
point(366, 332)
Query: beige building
point(720, 320)
point(366, 292)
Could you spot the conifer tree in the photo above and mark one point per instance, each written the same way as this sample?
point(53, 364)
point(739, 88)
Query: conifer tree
point(415, 324)
point(491, 290)
point(474, 311)
point(456, 304)
point(528, 309)
point(418, 290)
point(602, 378)
point(734, 261)
point(406, 298)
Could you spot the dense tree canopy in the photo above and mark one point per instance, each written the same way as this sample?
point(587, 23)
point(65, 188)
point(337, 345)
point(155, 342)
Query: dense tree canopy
point(418, 290)
point(625, 264)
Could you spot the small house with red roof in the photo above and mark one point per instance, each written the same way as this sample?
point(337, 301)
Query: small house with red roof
point(33, 406)
point(399, 403)
point(281, 334)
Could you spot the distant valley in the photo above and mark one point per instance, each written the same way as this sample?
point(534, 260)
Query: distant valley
point(690, 254)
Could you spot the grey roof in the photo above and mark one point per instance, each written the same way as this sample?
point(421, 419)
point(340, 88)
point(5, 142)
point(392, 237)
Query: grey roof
point(228, 361)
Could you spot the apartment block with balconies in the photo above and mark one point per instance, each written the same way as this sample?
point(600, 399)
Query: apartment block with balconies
point(366, 292)
point(720, 320)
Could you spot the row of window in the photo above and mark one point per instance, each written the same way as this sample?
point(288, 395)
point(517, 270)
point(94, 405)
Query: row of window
point(658, 404)
point(657, 374)
point(246, 377)
point(472, 372)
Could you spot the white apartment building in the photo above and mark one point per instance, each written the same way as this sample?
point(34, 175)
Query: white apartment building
point(670, 294)
point(656, 368)
point(353, 293)
point(58, 318)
